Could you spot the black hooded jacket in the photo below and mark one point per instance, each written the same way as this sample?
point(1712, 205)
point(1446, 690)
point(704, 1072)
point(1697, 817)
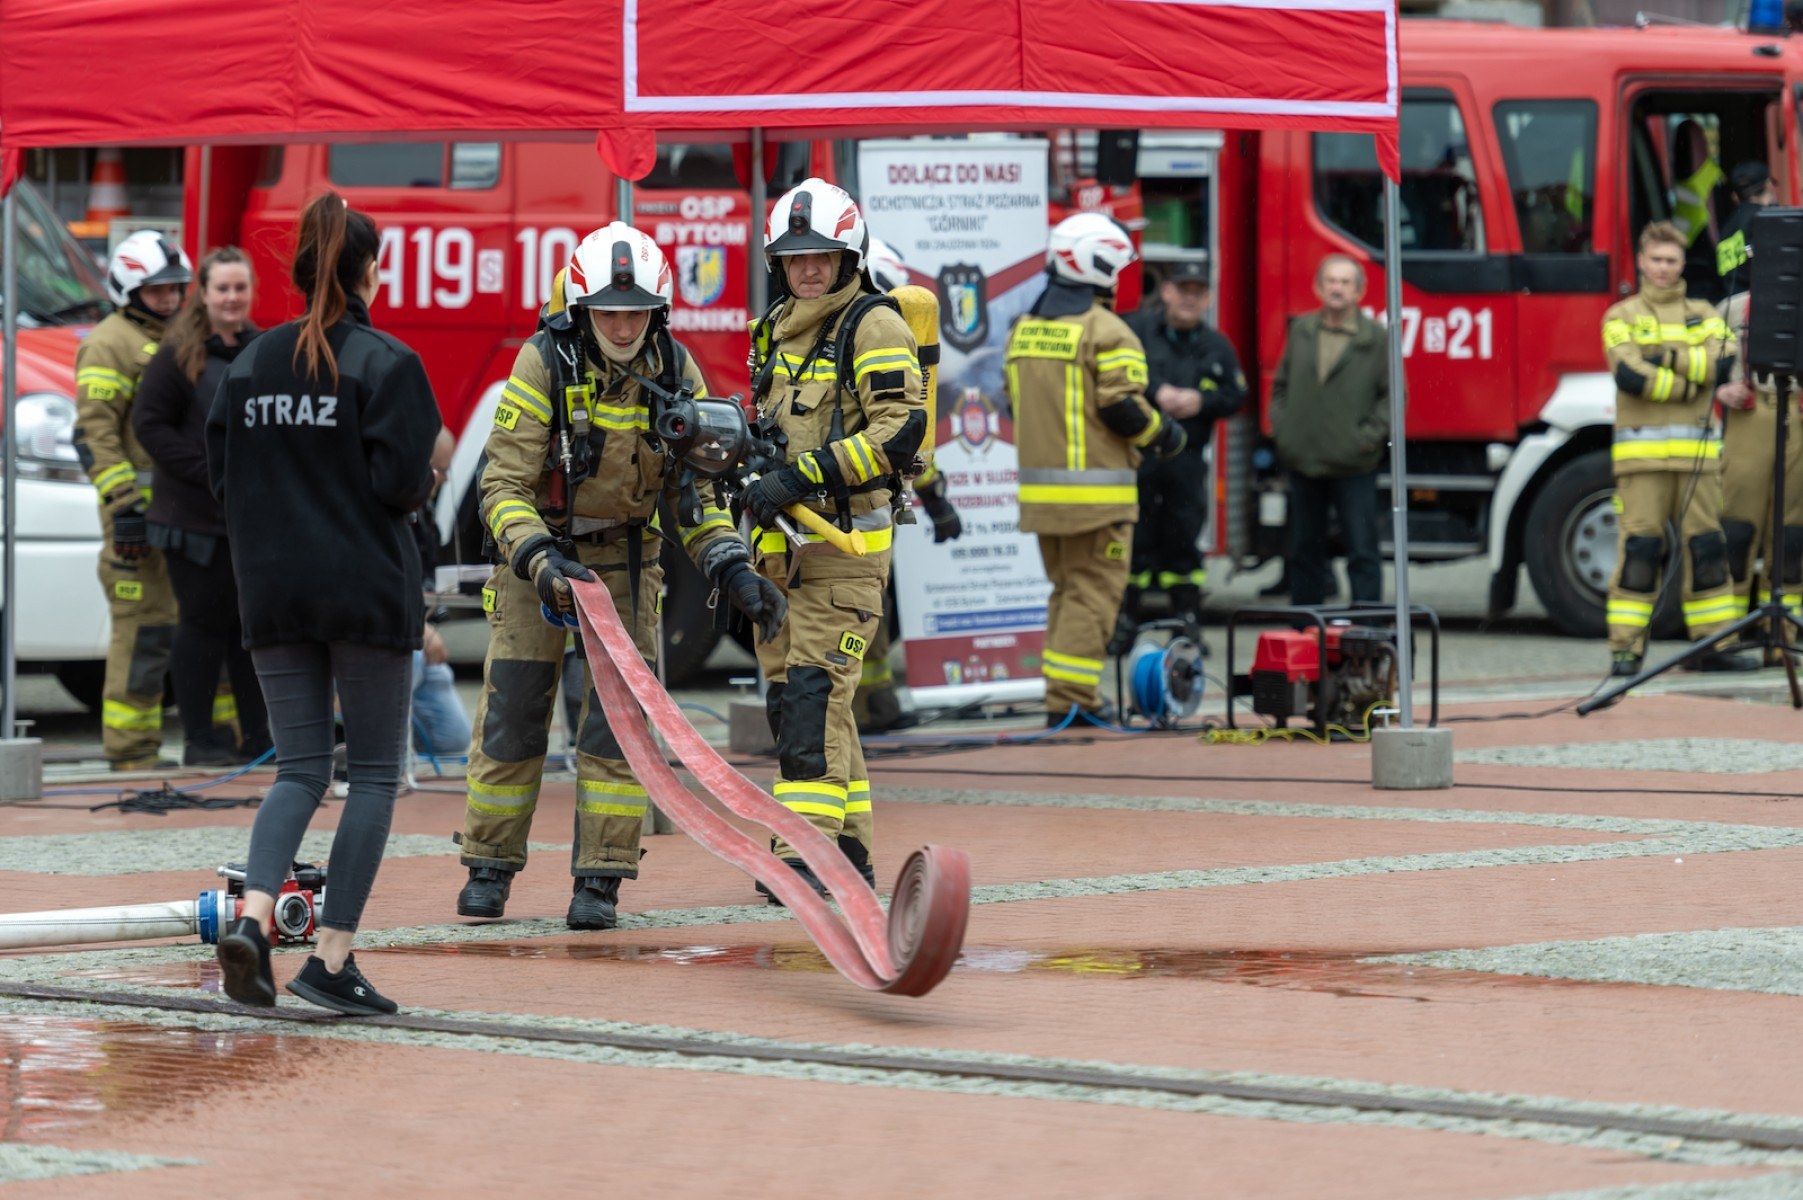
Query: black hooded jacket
point(316, 480)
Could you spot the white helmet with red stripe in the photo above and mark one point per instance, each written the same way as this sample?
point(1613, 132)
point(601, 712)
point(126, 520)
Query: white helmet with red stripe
point(814, 217)
point(1089, 248)
point(617, 267)
point(146, 257)
point(887, 270)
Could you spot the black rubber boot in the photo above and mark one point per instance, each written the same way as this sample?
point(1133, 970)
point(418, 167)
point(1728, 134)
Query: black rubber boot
point(595, 903)
point(801, 869)
point(1624, 664)
point(243, 955)
point(485, 895)
point(1730, 659)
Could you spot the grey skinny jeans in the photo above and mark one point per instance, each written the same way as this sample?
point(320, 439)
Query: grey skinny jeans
point(373, 685)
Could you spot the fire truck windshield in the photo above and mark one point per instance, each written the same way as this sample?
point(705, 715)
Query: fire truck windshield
point(58, 283)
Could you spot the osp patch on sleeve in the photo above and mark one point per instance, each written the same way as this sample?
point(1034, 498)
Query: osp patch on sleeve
point(853, 645)
point(507, 416)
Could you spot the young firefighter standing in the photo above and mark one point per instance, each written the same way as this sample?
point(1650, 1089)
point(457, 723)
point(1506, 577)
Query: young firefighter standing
point(1077, 376)
point(836, 370)
point(1669, 355)
point(580, 387)
point(147, 278)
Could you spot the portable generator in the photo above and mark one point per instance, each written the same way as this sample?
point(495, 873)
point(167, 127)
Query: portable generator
point(1289, 678)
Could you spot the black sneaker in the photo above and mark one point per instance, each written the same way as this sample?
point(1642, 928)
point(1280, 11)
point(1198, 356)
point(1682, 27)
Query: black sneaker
point(243, 955)
point(485, 895)
point(346, 992)
point(801, 869)
point(1624, 664)
point(594, 903)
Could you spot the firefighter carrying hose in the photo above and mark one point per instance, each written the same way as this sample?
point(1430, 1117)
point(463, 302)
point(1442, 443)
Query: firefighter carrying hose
point(1669, 355)
point(837, 381)
point(147, 278)
point(572, 488)
point(1077, 375)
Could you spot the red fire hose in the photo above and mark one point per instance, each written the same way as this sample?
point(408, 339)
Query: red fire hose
point(906, 952)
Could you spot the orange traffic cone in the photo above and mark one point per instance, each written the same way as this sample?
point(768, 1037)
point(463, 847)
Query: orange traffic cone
point(106, 190)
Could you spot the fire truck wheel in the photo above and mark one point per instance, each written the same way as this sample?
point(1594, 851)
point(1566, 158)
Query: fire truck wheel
point(1569, 546)
point(689, 633)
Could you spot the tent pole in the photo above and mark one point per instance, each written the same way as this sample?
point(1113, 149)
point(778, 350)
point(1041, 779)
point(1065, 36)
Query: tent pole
point(1399, 492)
point(756, 281)
point(9, 329)
point(623, 199)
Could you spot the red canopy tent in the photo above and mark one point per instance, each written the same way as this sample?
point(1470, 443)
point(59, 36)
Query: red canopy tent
point(116, 72)
point(111, 72)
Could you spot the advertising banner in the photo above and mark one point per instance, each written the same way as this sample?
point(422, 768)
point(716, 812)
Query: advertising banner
point(969, 220)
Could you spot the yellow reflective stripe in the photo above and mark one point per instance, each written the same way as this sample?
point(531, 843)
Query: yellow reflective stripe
point(622, 416)
point(809, 808)
point(225, 710)
point(809, 787)
point(623, 807)
point(507, 512)
point(527, 397)
point(875, 540)
point(863, 458)
point(1655, 449)
point(105, 378)
point(856, 806)
point(1719, 608)
point(817, 372)
point(1078, 493)
point(711, 518)
point(117, 715)
point(1615, 333)
point(885, 356)
point(1073, 419)
point(1107, 360)
point(857, 794)
point(828, 800)
point(114, 475)
point(1068, 676)
point(1697, 367)
point(1151, 431)
point(810, 470)
point(1630, 613)
point(1071, 660)
point(772, 541)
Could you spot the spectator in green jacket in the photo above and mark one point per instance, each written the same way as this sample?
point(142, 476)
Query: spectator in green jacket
point(1330, 416)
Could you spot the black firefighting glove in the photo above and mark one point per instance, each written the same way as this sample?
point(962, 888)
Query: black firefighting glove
point(947, 525)
point(770, 494)
point(551, 575)
point(131, 534)
point(759, 599)
point(1170, 439)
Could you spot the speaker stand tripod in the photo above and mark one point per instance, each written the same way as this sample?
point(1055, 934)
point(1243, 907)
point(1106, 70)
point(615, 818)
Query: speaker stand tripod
point(1776, 620)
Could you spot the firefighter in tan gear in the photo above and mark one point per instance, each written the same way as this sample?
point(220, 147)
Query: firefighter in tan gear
point(1748, 445)
point(1669, 355)
point(1076, 374)
point(836, 375)
point(147, 279)
point(571, 489)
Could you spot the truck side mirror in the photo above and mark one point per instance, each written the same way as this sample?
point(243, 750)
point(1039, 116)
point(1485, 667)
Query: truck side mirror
point(1117, 157)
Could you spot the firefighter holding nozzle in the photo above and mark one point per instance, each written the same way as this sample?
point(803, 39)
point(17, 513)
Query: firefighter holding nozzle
point(578, 484)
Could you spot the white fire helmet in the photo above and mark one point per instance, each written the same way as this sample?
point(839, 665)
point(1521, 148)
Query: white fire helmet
point(146, 257)
point(617, 267)
point(1091, 248)
point(814, 217)
point(886, 268)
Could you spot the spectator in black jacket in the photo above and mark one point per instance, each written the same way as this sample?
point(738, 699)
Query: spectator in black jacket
point(170, 416)
point(1192, 375)
point(319, 446)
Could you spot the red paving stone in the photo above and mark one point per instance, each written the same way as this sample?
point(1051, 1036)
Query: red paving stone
point(1257, 977)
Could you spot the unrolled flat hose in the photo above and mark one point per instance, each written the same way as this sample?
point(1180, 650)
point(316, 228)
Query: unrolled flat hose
point(906, 952)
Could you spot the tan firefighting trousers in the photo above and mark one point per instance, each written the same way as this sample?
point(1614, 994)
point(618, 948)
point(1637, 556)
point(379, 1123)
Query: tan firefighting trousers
point(813, 665)
point(1089, 576)
point(1747, 451)
point(142, 606)
point(513, 723)
point(1647, 500)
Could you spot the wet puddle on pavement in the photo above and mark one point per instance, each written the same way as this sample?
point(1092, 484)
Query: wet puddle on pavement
point(1338, 973)
point(63, 1073)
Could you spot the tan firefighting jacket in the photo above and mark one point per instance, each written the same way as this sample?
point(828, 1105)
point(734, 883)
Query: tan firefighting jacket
point(624, 485)
point(881, 403)
point(107, 367)
point(1076, 474)
point(1668, 355)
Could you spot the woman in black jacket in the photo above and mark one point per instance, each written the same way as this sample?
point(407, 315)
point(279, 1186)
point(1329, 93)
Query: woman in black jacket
point(170, 416)
point(319, 444)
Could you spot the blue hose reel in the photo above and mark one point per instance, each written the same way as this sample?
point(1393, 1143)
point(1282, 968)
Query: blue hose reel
point(1166, 681)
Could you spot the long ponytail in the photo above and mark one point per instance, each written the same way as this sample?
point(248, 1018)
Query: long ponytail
point(332, 254)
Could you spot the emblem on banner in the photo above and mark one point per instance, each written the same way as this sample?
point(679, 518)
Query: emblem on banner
point(964, 306)
point(702, 272)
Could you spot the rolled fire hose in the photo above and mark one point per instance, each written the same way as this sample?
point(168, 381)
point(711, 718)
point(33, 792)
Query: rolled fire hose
point(906, 952)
